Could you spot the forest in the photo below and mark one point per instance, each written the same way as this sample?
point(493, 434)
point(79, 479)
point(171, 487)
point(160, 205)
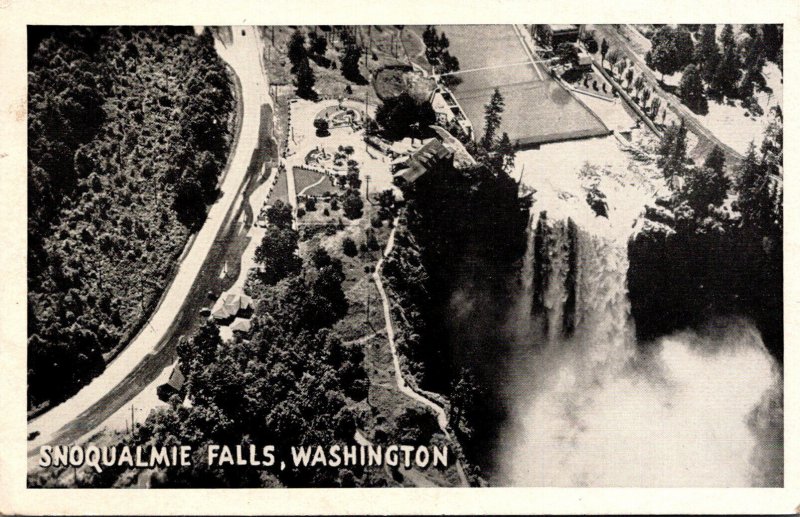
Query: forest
point(128, 129)
point(289, 382)
point(715, 247)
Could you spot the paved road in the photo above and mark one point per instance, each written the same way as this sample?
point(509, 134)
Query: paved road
point(153, 348)
point(706, 139)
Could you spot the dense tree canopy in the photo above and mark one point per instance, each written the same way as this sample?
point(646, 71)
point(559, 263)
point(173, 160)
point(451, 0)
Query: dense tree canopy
point(128, 130)
point(403, 116)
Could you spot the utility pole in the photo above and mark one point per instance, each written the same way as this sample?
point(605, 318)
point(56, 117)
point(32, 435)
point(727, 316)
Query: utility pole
point(368, 293)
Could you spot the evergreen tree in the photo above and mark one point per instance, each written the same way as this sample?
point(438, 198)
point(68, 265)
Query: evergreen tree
point(726, 78)
point(672, 154)
point(297, 50)
point(304, 80)
point(603, 51)
point(684, 46)
point(493, 116)
point(692, 92)
point(707, 53)
point(350, 60)
point(707, 186)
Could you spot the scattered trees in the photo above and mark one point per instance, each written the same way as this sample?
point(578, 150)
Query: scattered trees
point(438, 55)
point(707, 52)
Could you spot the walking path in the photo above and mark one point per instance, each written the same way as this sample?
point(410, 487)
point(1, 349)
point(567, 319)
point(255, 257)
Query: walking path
point(402, 385)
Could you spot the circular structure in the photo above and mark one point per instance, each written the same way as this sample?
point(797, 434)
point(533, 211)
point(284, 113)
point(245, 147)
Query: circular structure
point(318, 156)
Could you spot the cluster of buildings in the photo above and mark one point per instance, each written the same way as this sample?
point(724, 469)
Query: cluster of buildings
point(232, 311)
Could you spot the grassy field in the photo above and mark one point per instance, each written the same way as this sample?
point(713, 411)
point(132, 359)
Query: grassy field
point(280, 192)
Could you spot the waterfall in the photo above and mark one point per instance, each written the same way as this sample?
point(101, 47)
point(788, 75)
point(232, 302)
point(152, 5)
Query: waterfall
point(589, 406)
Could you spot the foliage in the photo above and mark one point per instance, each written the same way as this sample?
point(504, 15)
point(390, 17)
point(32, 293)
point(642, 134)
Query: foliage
point(544, 35)
point(353, 205)
point(403, 116)
point(672, 153)
point(493, 116)
point(706, 187)
point(277, 254)
point(705, 260)
point(323, 126)
point(692, 92)
point(349, 247)
point(438, 55)
point(567, 53)
point(727, 75)
point(304, 80)
point(664, 56)
point(280, 214)
point(350, 60)
point(128, 130)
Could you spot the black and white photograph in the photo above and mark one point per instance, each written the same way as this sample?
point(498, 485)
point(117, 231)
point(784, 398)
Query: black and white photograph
point(431, 255)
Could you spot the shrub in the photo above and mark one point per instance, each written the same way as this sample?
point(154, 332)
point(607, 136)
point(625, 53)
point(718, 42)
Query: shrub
point(323, 128)
point(349, 247)
point(353, 206)
point(372, 241)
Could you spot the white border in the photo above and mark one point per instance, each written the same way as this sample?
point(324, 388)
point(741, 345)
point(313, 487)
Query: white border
point(16, 498)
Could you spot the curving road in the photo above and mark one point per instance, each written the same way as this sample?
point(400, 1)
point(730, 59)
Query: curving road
point(154, 347)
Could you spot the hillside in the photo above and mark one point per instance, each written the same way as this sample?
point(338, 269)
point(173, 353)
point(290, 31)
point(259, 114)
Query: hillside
point(129, 130)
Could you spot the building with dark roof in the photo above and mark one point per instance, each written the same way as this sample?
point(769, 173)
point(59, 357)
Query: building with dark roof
point(429, 156)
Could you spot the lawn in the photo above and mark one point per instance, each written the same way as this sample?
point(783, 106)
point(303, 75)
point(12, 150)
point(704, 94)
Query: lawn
point(280, 192)
point(304, 178)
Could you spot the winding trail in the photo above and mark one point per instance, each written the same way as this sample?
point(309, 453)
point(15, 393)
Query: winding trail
point(402, 385)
